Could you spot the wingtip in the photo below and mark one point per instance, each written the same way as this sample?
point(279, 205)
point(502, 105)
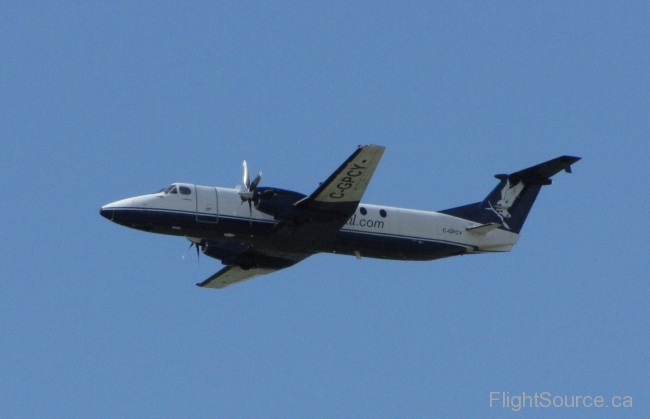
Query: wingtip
point(570, 159)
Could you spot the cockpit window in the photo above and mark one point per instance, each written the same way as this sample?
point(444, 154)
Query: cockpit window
point(184, 190)
point(170, 189)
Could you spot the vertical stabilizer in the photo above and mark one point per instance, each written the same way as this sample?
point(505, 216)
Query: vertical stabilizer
point(510, 202)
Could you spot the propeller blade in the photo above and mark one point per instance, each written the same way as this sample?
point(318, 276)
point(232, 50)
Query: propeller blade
point(243, 199)
point(256, 182)
point(249, 194)
point(188, 249)
point(247, 179)
point(197, 251)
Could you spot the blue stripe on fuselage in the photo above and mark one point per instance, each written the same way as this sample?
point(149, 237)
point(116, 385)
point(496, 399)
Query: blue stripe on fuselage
point(369, 244)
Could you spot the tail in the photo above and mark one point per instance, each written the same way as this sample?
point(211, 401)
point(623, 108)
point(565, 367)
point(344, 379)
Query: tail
point(510, 202)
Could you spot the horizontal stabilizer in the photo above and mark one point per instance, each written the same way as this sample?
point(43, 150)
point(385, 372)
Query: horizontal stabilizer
point(483, 228)
point(541, 173)
point(231, 275)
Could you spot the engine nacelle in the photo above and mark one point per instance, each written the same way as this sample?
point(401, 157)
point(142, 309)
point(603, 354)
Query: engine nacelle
point(223, 250)
point(277, 202)
point(237, 254)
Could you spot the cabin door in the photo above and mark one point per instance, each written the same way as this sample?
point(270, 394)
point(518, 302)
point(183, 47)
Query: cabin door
point(206, 204)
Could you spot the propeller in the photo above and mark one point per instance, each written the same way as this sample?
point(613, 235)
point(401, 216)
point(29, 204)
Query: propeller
point(197, 251)
point(247, 195)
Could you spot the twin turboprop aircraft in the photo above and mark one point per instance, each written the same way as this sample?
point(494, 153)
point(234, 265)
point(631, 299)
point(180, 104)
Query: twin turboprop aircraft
point(279, 228)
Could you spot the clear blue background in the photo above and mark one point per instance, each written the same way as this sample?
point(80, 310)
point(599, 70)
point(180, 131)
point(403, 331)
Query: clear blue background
point(100, 102)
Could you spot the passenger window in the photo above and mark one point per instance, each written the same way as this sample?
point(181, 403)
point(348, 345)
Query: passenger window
point(184, 190)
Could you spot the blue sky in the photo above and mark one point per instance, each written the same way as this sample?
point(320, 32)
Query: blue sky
point(105, 101)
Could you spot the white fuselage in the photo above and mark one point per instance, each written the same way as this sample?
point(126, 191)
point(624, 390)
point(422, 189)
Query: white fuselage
point(374, 230)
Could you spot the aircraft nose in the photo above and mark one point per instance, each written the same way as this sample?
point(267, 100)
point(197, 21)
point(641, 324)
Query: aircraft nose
point(106, 213)
point(108, 210)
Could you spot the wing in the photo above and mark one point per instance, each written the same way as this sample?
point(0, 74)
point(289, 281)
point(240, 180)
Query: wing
point(317, 219)
point(231, 275)
point(342, 191)
point(246, 262)
point(320, 216)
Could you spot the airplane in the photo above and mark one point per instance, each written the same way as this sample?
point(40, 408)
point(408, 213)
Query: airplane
point(258, 230)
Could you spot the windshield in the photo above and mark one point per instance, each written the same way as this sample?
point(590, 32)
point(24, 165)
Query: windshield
point(169, 189)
